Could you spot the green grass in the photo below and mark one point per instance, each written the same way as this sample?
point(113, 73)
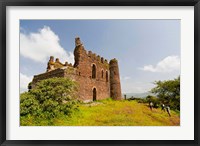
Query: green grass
point(111, 113)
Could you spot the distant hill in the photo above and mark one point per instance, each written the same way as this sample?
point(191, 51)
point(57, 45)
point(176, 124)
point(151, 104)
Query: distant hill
point(138, 95)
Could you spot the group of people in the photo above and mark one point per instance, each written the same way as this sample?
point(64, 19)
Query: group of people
point(163, 108)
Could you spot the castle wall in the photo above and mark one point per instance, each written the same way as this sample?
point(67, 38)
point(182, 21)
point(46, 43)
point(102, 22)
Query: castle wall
point(115, 87)
point(87, 86)
point(96, 78)
point(85, 62)
point(47, 75)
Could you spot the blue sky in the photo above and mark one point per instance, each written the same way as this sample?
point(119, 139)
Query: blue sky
point(147, 50)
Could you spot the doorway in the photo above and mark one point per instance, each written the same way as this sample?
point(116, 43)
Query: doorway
point(94, 94)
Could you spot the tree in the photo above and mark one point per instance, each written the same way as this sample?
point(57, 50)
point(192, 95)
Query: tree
point(50, 98)
point(168, 92)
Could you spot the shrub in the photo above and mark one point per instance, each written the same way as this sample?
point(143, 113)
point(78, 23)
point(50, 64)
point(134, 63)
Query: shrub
point(154, 100)
point(50, 98)
point(28, 104)
point(168, 92)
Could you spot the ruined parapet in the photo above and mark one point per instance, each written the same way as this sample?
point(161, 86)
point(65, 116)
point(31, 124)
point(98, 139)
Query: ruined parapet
point(50, 64)
point(59, 72)
point(78, 42)
point(115, 87)
point(102, 60)
point(54, 73)
point(79, 51)
point(98, 58)
point(94, 56)
point(66, 63)
point(58, 64)
point(89, 53)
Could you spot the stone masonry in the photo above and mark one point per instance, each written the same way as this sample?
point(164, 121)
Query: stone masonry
point(97, 78)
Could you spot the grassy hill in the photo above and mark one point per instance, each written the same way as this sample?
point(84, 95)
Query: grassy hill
point(112, 113)
point(121, 113)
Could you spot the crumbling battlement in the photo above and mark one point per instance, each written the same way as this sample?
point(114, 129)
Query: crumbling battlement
point(97, 57)
point(51, 65)
point(82, 50)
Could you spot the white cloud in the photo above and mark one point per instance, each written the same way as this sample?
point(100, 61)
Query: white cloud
point(127, 78)
point(168, 64)
point(24, 81)
point(41, 45)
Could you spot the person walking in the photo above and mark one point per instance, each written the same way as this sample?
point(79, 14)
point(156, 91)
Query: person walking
point(168, 110)
point(163, 107)
point(151, 105)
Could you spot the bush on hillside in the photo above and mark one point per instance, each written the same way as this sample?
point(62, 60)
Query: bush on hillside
point(168, 92)
point(154, 100)
point(50, 98)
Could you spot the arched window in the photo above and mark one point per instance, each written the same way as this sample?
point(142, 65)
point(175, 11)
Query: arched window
point(102, 73)
point(106, 76)
point(93, 71)
point(94, 94)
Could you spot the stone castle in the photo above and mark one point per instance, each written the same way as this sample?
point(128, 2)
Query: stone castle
point(97, 78)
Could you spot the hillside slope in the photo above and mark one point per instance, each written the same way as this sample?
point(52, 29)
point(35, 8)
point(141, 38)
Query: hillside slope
point(119, 113)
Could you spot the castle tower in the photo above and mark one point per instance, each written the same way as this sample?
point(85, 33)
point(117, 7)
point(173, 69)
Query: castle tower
point(115, 87)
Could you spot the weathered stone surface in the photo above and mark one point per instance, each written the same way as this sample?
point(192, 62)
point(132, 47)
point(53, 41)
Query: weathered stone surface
point(97, 79)
point(115, 87)
point(50, 64)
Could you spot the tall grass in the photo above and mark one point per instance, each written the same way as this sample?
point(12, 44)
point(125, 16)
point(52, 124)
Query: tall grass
point(112, 113)
point(121, 113)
